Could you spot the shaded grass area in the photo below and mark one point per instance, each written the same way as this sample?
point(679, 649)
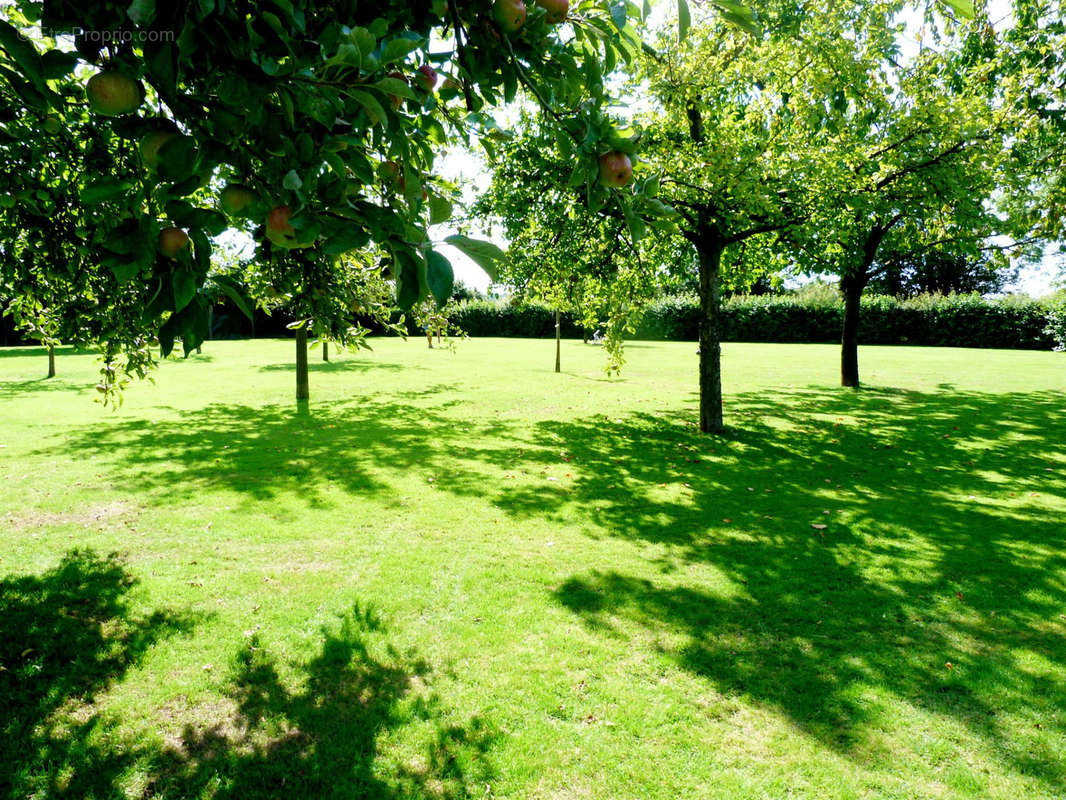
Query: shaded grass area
point(68, 635)
point(849, 595)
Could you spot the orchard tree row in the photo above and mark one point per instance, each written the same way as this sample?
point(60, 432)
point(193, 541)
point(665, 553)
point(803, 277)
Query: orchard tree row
point(819, 145)
point(801, 135)
point(134, 134)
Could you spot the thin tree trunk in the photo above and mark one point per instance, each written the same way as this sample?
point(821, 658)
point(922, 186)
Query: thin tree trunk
point(710, 256)
point(51, 361)
point(849, 343)
point(558, 344)
point(303, 386)
point(325, 351)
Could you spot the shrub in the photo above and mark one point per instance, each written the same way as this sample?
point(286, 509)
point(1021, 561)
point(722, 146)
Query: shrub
point(1056, 324)
point(811, 316)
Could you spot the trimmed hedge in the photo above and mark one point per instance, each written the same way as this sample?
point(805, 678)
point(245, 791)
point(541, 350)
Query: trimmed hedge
point(951, 321)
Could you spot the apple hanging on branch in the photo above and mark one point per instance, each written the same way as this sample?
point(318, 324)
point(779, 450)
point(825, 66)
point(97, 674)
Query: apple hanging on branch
point(616, 169)
point(426, 77)
point(236, 198)
point(113, 94)
point(151, 143)
point(510, 15)
point(557, 10)
point(172, 241)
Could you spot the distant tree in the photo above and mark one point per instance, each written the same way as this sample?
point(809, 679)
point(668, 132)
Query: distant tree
point(462, 292)
point(910, 156)
point(563, 253)
point(907, 273)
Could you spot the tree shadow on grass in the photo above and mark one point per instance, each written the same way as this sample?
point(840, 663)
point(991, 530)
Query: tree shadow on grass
point(941, 544)
point(262, 451)
point(68, 636)
point(319, 738)
point(65, 637)
point(877, 544)
point(340, 365)
point(11, 389)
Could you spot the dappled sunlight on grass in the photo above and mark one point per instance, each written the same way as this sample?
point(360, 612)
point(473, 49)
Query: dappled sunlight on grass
point(870, 585)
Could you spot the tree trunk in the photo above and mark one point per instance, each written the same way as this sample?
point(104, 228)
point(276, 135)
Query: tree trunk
point(303, 387)
point(710, 256)
point(558, 344)
point(325, 351)
point(849, 343)
point(51, 362)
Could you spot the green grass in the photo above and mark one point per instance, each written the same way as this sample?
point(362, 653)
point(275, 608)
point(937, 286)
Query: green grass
point(463, 575)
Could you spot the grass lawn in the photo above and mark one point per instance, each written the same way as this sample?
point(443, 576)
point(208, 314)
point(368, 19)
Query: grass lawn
point(462, 575)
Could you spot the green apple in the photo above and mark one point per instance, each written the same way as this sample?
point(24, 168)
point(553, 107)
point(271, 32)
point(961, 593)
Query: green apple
point(236, 198)
point(113, 94)
point(172, 241)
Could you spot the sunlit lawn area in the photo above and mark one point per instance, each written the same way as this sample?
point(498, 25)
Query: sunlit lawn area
point(462, 575)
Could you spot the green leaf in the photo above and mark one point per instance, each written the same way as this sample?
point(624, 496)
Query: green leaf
point(234, 292)
point(964, 8)
point(167, 332)
point(397, 87)
point(406, 280)
point(292, 181)
point(57, 64)
point(412, 185)
point(440, 209)
point(184, 288)
point(177, 158)
point(440, 276)
point(351, 237)
point(398, 48)
point(142, 11)
point(684, 19)
point(485, 254)
point(103, 189)
point(22, 52)
point(738, 14)
point(370, 104)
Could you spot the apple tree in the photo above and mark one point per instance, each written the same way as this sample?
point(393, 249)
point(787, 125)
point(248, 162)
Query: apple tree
point(313, 125)
point(910, 158)
point(51, 283)
point(562, 253)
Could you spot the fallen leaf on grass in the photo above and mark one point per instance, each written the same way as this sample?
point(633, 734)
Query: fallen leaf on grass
point(818, 526)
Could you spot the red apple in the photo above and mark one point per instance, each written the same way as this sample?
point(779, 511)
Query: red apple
point(556, 10)
point(427, 77)
point(510, 15)
point(278, 220)
point(172, 241)
point(616, 170)
point(397, 101)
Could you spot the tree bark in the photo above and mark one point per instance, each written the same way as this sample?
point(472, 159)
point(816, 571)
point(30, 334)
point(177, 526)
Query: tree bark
point(849, 343)
point(51, 362)
point(710, 257)
point(558, 344)
point(325, 351)
point(303, 386)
